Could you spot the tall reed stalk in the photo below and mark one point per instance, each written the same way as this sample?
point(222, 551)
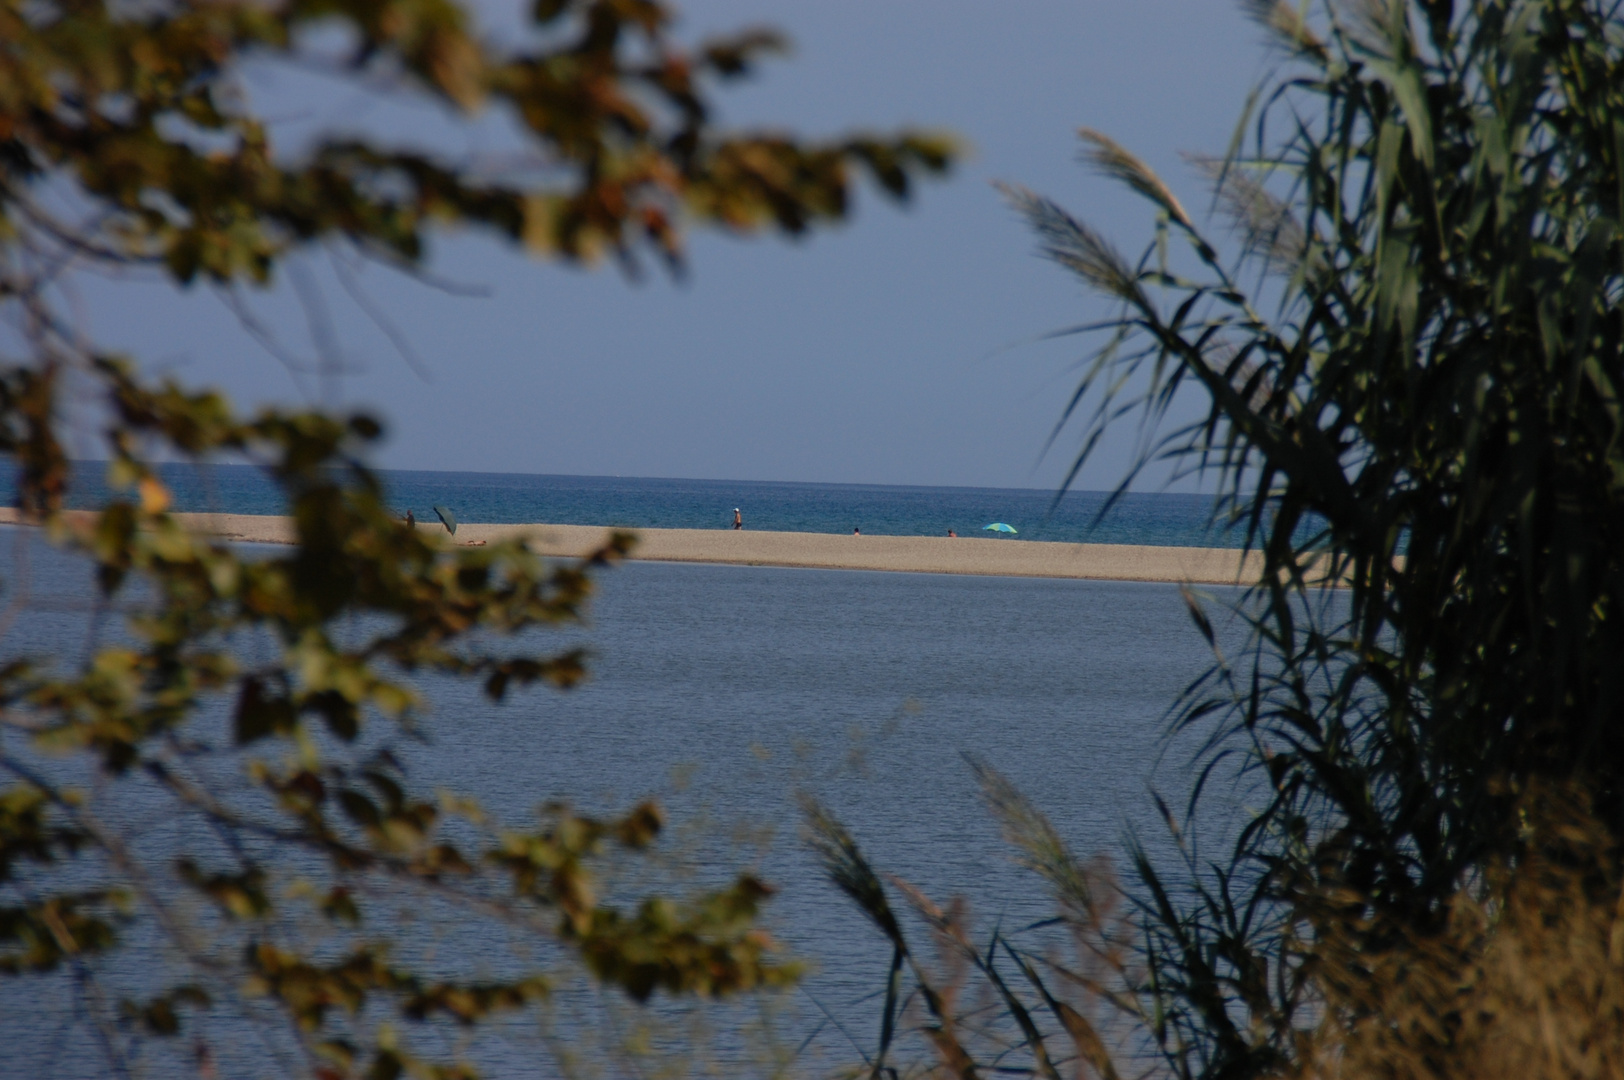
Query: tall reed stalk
point(1412, 362)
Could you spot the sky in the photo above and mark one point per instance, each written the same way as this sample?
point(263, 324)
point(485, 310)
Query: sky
point(904, 347)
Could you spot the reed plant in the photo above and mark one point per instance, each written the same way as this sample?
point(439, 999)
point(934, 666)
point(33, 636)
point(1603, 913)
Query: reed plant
point(1410, 346)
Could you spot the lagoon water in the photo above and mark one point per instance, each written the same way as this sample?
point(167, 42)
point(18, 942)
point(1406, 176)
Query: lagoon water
point(726, 691)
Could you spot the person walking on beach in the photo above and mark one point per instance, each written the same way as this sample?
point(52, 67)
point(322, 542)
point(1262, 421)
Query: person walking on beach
point(738, 519)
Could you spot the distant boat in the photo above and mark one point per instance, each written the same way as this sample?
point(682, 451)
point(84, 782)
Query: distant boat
point(999, 526)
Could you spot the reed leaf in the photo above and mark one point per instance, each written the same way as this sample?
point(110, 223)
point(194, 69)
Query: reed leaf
point(1429, 420)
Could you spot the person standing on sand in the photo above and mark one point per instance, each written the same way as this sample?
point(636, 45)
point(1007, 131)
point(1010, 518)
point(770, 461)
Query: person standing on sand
point(738, 519)
point(411, 520)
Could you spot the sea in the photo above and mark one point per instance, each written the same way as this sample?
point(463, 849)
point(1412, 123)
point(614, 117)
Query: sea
point(1156, 518)
point(731, 695)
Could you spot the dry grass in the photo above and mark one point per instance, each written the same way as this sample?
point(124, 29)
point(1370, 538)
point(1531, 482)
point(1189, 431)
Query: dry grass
point(1522, 979)
point(1526, 981)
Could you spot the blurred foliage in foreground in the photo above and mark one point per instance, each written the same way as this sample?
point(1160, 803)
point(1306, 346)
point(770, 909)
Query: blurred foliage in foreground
point(1414, 369)
point(246, 706)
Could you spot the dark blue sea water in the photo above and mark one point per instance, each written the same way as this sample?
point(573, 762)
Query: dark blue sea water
point(1157, 519)
point(724, 692)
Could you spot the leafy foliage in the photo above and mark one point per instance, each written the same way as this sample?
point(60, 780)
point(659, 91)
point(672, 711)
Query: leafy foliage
point(143, 109)
point(254, 697)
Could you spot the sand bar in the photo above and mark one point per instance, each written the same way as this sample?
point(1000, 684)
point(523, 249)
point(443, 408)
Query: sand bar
point(823, 551)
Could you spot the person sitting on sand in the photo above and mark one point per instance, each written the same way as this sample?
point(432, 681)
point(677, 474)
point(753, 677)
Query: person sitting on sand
point(950, 532)
point(855, 531)
point(738, 519)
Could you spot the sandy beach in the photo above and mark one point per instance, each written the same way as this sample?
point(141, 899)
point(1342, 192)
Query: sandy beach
point(908, 554)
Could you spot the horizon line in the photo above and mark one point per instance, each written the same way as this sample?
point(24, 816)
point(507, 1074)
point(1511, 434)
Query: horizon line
point(693, 479)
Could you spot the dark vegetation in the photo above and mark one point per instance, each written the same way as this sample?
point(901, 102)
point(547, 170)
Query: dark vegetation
point(1413, 371)
point(1418, 355)
point(129, 143)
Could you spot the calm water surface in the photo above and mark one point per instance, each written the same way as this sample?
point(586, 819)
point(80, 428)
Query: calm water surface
point(865, 689)
point(724, 691)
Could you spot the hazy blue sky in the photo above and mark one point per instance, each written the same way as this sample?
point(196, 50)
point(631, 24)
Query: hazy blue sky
point(897, 349)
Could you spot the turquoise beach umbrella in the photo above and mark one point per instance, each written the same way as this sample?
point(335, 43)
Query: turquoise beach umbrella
point(450, 520)
point(999, 526)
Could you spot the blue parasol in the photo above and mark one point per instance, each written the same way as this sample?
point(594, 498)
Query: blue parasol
point(999, 526)
point(450, 520)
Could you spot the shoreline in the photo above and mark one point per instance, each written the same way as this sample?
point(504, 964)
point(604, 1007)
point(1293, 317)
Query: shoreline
point(970, 555)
